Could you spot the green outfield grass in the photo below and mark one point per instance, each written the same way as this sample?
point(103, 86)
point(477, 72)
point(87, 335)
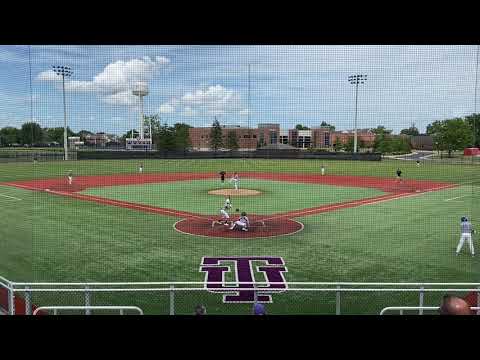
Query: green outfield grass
point(52, 238)
point(192, 196)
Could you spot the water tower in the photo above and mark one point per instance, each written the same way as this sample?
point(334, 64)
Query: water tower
point(140, 89)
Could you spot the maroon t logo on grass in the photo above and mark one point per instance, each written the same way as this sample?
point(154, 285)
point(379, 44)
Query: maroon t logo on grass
point(272, 269)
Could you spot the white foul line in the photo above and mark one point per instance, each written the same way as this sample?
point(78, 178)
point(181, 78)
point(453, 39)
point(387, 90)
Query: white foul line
point(10, 197)
point(458, 197)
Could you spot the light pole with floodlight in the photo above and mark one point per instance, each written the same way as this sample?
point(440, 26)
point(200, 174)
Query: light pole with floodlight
point(356, 80)
point(64, 71)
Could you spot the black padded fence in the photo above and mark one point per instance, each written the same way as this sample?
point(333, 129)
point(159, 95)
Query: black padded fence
point(259, 154)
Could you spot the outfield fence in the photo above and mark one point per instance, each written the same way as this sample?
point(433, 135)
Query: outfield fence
point(180, 298)
point(30, 156)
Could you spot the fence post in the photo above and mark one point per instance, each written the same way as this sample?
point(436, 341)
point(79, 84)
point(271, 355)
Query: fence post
point(422, 294)
point(11, 301)
point(338, 301)
point(87, 301)
point(172, 300)
point(28, 301)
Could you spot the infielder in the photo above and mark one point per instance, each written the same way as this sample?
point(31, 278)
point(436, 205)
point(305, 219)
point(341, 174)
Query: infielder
point(70, 177)
point(225, 218)
point(467, 231)
point(235, 179)
point(323, 170)
point(140, 169)
point(222, 176)
point(241, 224)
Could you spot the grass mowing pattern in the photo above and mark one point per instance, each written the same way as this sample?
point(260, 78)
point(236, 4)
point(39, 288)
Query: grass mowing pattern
point(192, 196)
point(52, 238)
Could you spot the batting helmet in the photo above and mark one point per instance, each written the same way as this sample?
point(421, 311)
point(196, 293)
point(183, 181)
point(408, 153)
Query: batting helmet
point(464, 218)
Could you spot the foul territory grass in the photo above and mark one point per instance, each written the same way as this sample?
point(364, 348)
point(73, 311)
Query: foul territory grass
point(275, 197)
point(52, 238)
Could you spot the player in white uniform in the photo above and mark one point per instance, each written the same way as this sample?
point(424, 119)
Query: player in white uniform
point(235, 179)
point(224, 213)
point(140, 169)
point(242, 224)
point(323, 170)
point(467, 231)
point(70, 177)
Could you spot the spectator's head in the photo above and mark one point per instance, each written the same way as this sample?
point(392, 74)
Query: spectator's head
point(453, 305)
point(259, 309)
point(200, 310)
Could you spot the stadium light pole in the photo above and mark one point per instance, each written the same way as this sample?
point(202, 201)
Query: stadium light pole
point(64, 71)
point(475, 100)
point(356, 80)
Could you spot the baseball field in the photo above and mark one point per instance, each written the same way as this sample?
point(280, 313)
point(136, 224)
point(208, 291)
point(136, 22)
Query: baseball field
point(355, 224)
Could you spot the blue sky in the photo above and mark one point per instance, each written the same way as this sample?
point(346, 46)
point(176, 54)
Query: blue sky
point(192, 84)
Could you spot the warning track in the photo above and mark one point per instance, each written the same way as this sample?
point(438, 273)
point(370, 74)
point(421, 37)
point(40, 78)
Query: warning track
point(198, 224)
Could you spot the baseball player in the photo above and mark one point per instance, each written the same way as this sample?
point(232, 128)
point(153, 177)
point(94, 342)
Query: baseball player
point(140, 168)
point(399, 176)
point(323, 170)
point(418, 163)
point(241, 224)
point(222, 176)
point(70, 177)
point(225, 219)
point(235, 179)
point(467, 231)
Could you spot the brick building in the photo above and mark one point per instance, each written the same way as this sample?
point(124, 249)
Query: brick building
point(364, 135)
point(271, 134)
point(200, 137)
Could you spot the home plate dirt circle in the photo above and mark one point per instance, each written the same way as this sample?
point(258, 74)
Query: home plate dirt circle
point(258, 229)
point(233, 192)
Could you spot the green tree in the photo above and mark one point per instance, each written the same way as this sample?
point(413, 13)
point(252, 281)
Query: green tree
point(31, 133)
point(164, 138)
point(216, 139)
point(450, 134)
point(380, 130)
point(301, 127)
point(9, 135)
point(128, 134)
point(474, 122)
point(325, 124)
point(412, 131)
point(55, 134)
point(83, 133)
point(351, 143)
point(231, 141)
point(182, 136)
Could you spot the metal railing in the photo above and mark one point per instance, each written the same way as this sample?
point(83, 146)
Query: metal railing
point(174, 288)
point(401, 309)
point(121, 309)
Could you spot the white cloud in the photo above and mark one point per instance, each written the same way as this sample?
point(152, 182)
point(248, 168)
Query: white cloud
point(167, 108)
point(115, 82)
point(121, 98)
point(214, 100)
point(188, 111)
point(48, 75)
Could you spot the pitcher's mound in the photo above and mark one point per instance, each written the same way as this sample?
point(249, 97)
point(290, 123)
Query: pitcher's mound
point(233, 192)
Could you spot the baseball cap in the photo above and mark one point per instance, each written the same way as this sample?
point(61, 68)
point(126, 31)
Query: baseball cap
point(259, 309)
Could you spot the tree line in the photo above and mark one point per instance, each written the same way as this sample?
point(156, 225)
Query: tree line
point(448, 135)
